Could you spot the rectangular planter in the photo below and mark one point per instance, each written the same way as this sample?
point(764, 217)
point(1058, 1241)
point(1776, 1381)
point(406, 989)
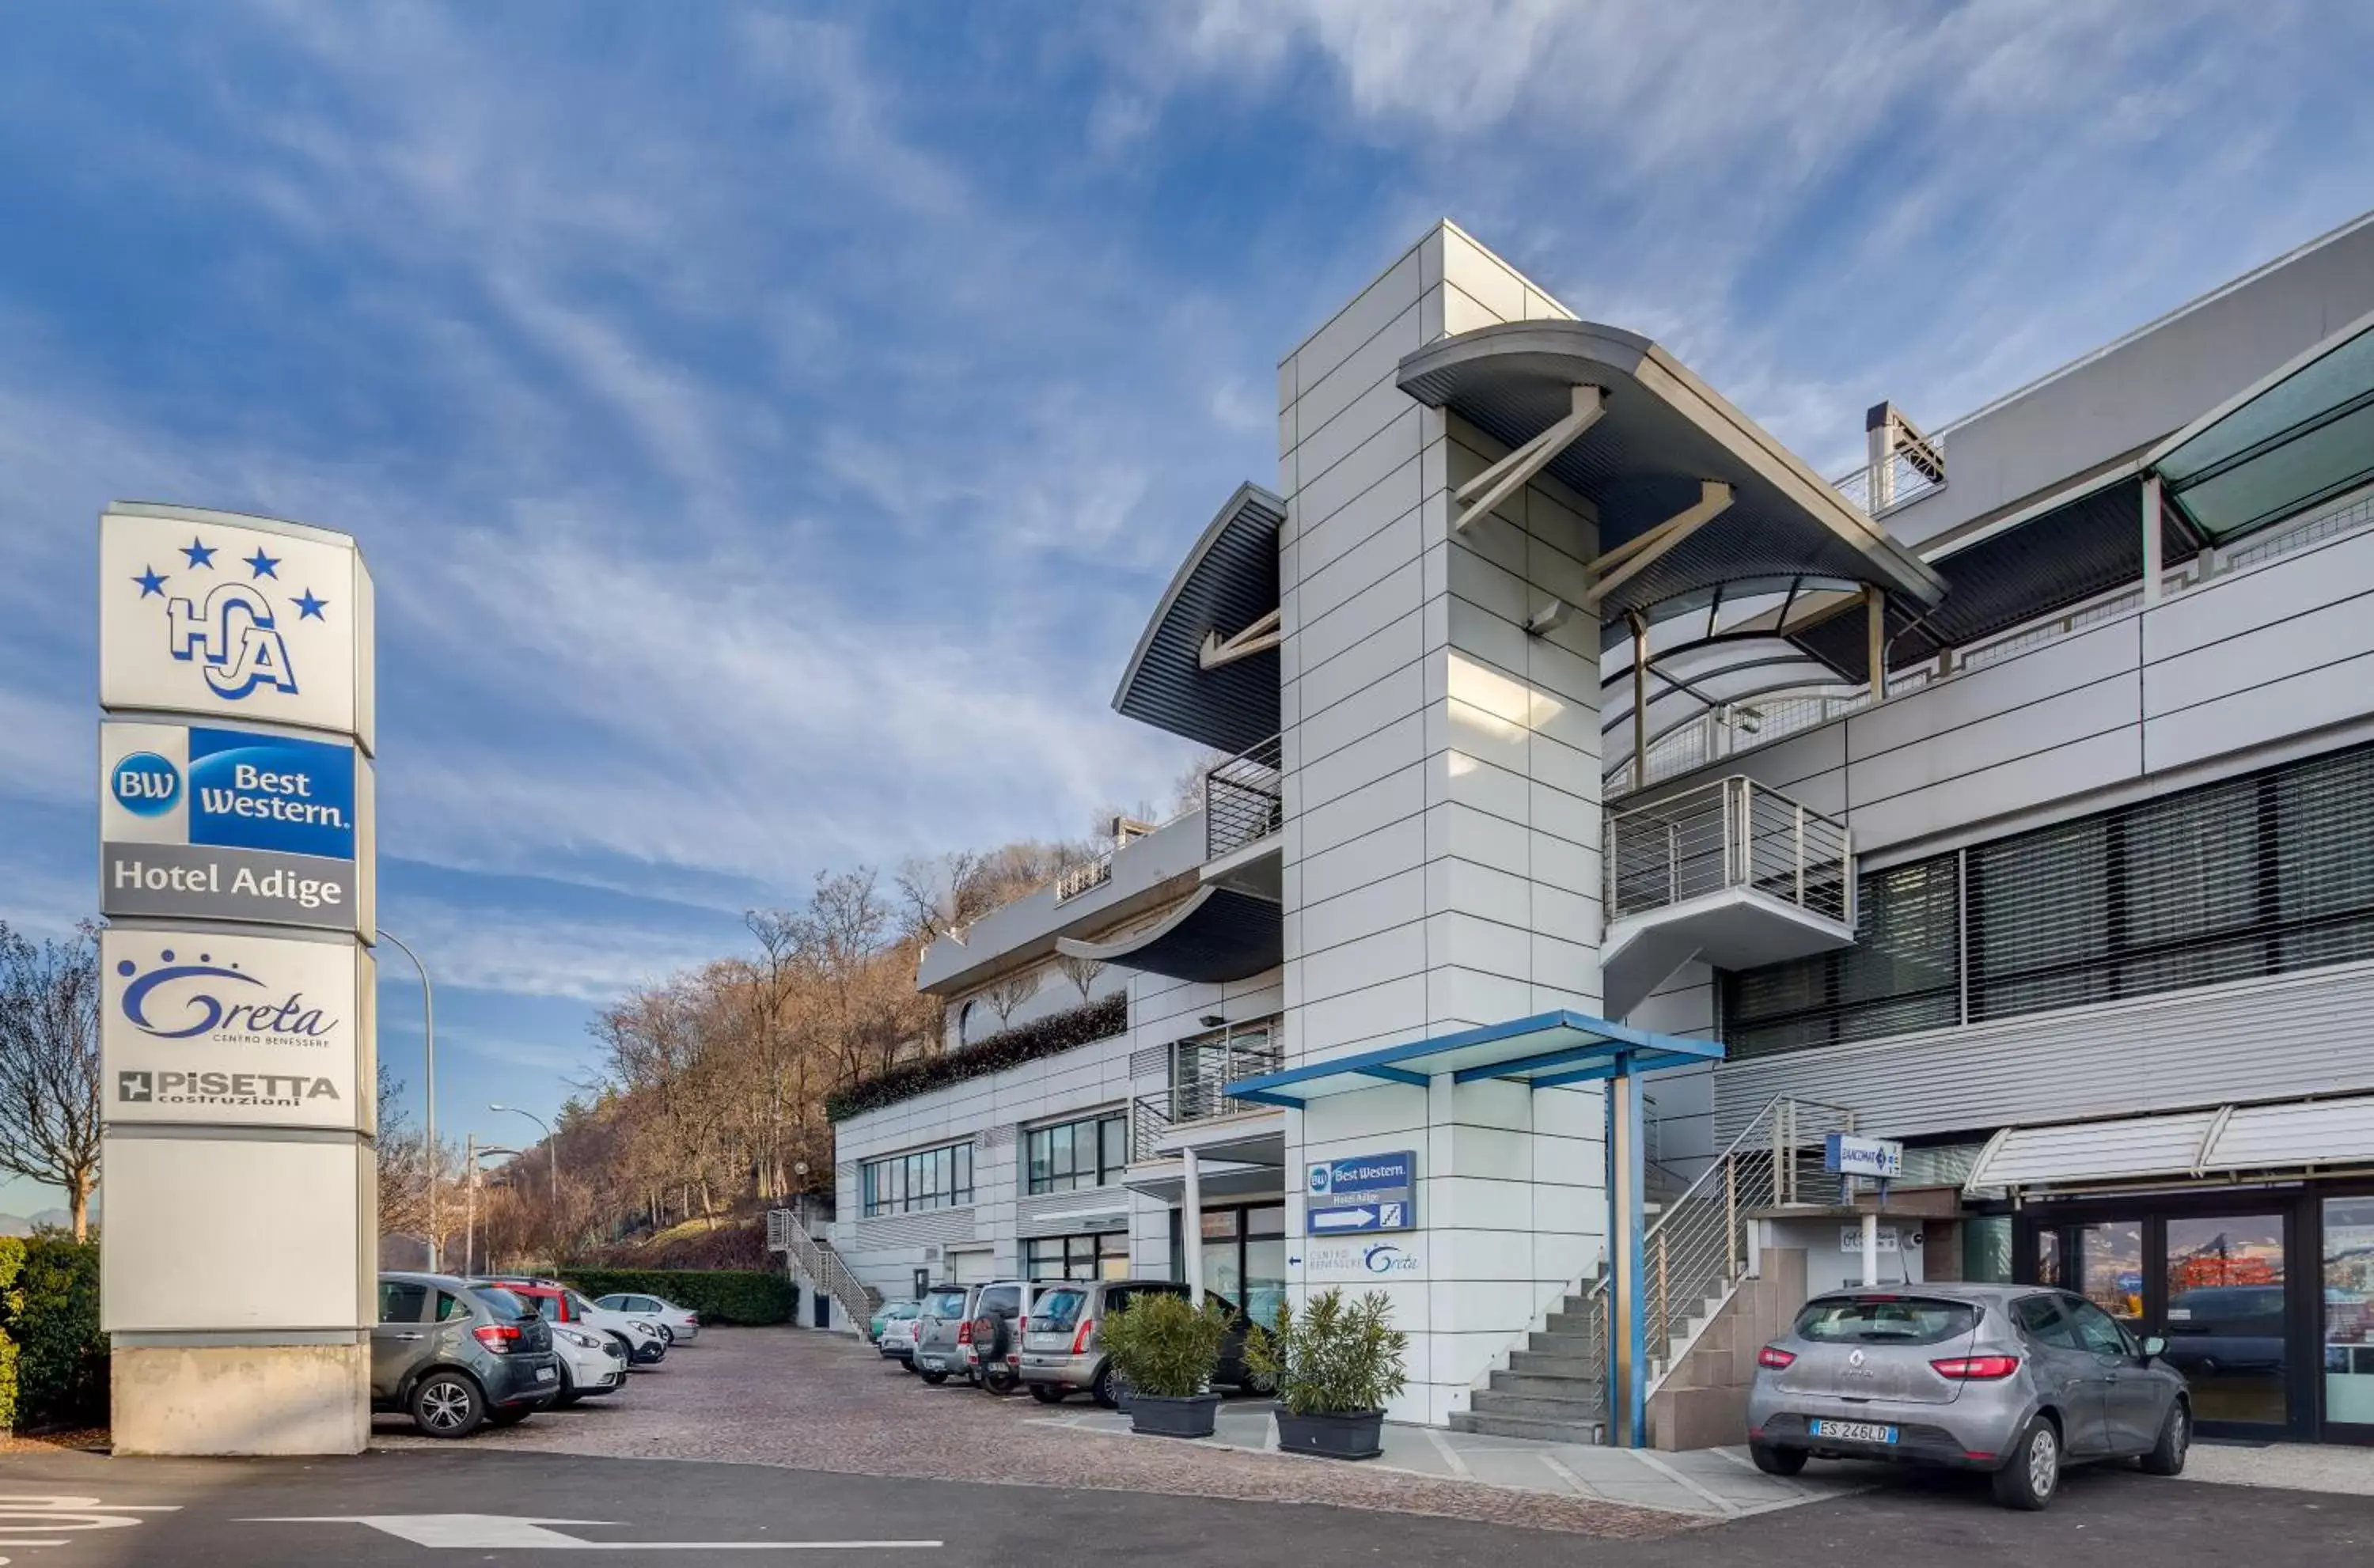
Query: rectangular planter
point(1161, 1417)
point(1356, 1435)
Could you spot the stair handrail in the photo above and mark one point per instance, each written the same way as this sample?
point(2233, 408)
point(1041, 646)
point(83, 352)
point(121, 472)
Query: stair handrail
point(821, 1262)
point(1767, 1151)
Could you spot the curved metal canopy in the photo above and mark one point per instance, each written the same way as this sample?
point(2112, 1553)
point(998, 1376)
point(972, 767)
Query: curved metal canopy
point(1219, 934)
point(1228, 582)
point(1688, 682)
point(1660, 435)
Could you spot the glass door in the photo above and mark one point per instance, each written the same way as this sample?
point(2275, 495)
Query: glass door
point(2227, 1289)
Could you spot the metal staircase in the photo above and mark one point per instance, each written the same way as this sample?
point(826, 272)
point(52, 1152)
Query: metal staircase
point(1697, 1249)
point(815, 1257)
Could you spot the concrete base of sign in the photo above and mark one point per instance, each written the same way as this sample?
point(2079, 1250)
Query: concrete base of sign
point(242, 1399)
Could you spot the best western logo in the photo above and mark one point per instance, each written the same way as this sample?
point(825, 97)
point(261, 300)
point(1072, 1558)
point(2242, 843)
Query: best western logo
point(221, 1088)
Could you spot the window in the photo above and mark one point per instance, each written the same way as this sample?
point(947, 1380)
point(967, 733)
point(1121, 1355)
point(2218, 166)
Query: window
point(1076, 1258)
point(2099, 1331)
point(1076, 1154)
point(931, 1178)
point(1866, 1320)
point(450, 1307)
point(401, 1302)
point(2045, 1319)
point(2259, 875)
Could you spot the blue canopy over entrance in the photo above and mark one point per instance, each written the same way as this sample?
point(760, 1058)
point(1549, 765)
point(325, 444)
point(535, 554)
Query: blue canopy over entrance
point(1549, 1051)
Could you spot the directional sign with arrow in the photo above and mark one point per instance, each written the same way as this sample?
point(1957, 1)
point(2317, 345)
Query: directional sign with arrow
point(1367, 1192)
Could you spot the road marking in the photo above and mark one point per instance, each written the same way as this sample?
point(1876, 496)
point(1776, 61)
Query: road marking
point(489, 1532)
point(1449, 1455)
point(50, 1520)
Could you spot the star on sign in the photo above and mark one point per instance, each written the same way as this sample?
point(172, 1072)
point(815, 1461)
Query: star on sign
point(151, 582)
point(200, 555)
point(261, 565)
point(307, 605)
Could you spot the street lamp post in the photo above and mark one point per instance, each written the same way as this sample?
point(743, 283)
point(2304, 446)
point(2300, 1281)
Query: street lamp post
point(551, 1148)
point(429, 1091)
point(473, 1153)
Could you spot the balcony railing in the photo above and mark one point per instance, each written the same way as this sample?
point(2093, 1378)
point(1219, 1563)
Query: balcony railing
point(1733, 833)
point(1073, 880)
point(1200, 1071)
point(1244, 799)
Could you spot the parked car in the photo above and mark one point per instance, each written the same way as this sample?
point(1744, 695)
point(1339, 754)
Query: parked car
point(1061, 1353)
point(991, 1348)
point(455, 1354)
point(2011, 1379)
point(638, 1338)
point(943, 1327)
point(591, 1364)
point(887, 1313)
point(677, 1325)
point(897, 1341)
point(2214, 1328)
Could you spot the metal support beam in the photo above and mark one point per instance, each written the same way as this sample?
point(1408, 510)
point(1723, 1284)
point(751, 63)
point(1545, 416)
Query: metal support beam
point(1639, 698)
point(1504, 478)
point(2152, 568)
point(1619, 566)
point(1628, 1338)
point(1190, 1222)
point(1874, 599)
point(1258, 638)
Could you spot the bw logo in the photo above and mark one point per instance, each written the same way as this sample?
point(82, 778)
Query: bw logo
point(135, 1088)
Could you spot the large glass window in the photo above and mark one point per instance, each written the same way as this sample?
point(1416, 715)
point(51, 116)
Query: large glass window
point(929, 1178)
point(2261, 875)
point(1076, 1154)
point(1101, 1257)
point(2349, 1310)
point(2226, 1303)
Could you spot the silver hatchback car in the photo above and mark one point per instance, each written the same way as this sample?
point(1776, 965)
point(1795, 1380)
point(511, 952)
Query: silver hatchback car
point(2015, 1380)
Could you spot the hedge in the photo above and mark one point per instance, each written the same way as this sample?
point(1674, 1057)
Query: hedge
point(54, 1359)
point(720, 1296)
point(1059, 1032)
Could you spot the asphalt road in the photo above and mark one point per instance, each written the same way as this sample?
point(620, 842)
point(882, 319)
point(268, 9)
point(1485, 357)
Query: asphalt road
point(464, 1508)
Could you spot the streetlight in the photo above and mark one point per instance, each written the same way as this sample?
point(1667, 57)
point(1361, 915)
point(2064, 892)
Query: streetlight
point(551, 1147)
point(428, 1036)
point(471, 1156)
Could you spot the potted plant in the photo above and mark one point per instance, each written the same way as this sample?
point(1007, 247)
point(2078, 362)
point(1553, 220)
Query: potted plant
point(1334, 1365)
point(1165, 1349)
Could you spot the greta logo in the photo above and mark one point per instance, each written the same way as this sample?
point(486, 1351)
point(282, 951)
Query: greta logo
point(181, 1001)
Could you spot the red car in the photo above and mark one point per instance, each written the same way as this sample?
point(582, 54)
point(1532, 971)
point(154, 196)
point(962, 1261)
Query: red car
point(644, 1343)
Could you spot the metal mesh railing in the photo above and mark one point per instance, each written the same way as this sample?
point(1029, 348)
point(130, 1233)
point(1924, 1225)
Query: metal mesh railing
point(1244, 799)
point(1907, 473)
point(1073, 880)
point(1696, 1248)
point(1200, 1071)
point(820, 1262)
point(1733, 832)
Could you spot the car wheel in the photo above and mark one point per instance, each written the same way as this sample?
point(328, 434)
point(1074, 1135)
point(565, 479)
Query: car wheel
point(510, 1415)
point(626, 1350)
point(933, 1379)
point(1776, 1461)
point(1102, 1390)
point(667, 1335)
point(568, 1394)
point(447, 1404)
point(2033, 1476)
point(2166, 1457)
point(1048, 1393)
point(1002, 1383)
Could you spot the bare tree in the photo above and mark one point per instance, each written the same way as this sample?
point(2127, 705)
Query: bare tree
point(1082, 972)
point(1012, 992)
point(49, 1064)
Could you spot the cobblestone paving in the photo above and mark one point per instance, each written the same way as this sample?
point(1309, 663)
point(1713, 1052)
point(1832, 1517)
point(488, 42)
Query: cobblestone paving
point(814, 1402)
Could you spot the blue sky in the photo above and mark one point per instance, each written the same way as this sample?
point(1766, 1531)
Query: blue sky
point(770, 426)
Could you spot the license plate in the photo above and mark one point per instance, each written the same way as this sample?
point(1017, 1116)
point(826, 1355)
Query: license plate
point(932, 1363)
point(544, 1375)
point(1855, 1430)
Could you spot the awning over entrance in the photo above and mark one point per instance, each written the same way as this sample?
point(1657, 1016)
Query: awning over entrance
point(1204, 667)
point(2289, 1139)
point(1219, 934)
point(1546, 1051)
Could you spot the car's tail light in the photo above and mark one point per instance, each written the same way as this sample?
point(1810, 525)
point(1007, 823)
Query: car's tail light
point(1774, 1357)
point(964, 1332)
point(498, 1337)
point(1976, 1369)
point(1080, 1340)
point(692, 1320)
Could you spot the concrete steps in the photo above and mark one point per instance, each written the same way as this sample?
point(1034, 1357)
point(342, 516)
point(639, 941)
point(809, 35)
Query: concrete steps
point(1592, 1432)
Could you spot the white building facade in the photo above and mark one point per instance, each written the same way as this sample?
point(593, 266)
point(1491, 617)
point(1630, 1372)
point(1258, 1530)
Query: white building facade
point(2002, 798)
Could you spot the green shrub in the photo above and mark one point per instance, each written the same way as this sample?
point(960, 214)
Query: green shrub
point(50, 1315)
point(720, 1296)
point(1164, 1346)
point(1332, 1359)
point(1059, 1032)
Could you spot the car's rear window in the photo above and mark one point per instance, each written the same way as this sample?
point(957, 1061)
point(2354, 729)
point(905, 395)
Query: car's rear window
point(944, 1303)
point(1863, 1320)
point(506, 1306)
point(1058, 1310)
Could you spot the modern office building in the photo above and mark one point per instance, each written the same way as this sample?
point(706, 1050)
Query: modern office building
point(2012, 796)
